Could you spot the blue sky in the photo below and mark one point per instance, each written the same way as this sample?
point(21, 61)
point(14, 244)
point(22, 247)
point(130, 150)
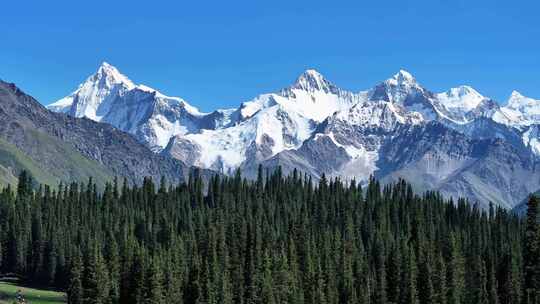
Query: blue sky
point(218, 53)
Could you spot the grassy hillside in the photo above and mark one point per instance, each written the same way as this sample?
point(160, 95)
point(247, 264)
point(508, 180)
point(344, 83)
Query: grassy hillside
point(13, 160)
point(61, 162)
point(70, 165)
point(31, 295)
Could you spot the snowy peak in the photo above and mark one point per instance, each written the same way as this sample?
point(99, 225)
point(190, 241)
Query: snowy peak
point(93, 97)
point(110, 96)
point(516, 94)
point(110, 75)
point(401, 78)
point(462, 91)
point(313, 81)
point(463, 97)
point(521, 110)
point(399, 88)
point(90, 94)
point(519, 102)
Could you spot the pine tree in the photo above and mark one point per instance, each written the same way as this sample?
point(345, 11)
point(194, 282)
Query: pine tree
point(137, 279)
point(394, 274)
point(154, 289)
point(95, 280)
point(192, 292)
point(455, 273)
point(284, 283)
point(75, 289)
point(380, 273)
point(112, 258)
point(510, 282)
point(24, 187)
point(439, 281)
point(492, 296)
point(477, 292)
point(425, 280)
point(266, 282)
point(409, 291)
point(531, 256)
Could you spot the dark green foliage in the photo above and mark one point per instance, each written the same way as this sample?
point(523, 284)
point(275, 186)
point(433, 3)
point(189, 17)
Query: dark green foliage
point(274, 240)
point(531, 254)
point(75, 289)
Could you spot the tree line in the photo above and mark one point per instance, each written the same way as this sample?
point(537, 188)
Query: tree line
point(277, 239)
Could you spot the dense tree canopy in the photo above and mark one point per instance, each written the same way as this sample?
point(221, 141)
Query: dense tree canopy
point(273, 240)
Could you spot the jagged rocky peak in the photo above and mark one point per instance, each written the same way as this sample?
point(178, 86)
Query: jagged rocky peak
point(518, 100)
point(401, 78)
point(110, 75)
point(311, 81)
point(397, 88)
point(98, 88)
point(152, 117)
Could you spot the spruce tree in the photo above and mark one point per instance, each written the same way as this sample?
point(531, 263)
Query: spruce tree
point(394, 274)
point(439, 281)
point(409, 290)
point(509, 281)
point(456, 280)
point(154, 281)
point(425, 279)
point(192, 292)
point(75, 288)
point(95, 280)
point(531, 256)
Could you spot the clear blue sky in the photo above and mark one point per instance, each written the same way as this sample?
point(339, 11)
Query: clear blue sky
point(218, 53)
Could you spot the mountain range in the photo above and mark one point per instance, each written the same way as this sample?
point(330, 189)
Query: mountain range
point(458, 142)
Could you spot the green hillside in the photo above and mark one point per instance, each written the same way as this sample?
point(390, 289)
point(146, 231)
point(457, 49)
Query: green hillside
point(9, 290)
point(68, 164)
point(13, 160)
point(59, 162)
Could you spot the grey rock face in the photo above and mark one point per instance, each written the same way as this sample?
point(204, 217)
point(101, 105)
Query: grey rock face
point(182, 149)
point(431, 156)
point(316, 156)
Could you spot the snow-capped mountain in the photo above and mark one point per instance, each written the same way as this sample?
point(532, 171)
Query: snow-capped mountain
point(464, 104)
point(462, 98)
point(447, 141)
point(404, 90)
point(521, 110)
point(94, 97)
point(266, 125)
point(154, 118)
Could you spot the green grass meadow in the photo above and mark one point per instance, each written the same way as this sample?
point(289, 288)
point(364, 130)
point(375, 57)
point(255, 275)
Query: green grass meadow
point(31, 295)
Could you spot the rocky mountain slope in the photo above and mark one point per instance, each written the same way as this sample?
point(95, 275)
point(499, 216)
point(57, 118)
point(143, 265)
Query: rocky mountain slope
point(153, 118)
point(458, 141)
point(59, 147)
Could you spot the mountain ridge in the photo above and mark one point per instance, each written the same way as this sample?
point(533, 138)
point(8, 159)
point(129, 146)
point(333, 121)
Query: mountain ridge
point(322, 128)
